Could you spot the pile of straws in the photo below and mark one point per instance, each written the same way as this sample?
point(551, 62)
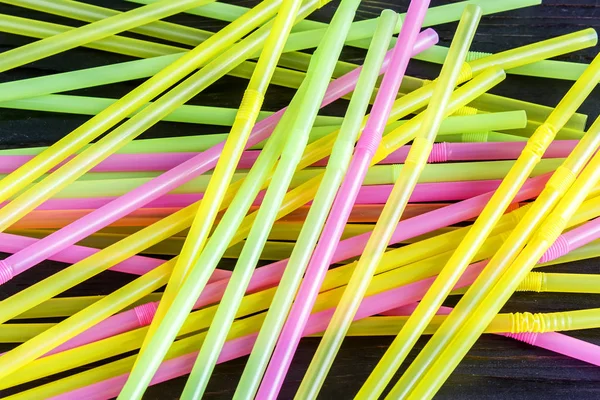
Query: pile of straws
point(365, 223)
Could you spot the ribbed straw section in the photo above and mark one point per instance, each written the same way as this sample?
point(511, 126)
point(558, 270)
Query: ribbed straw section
point(466, 73)
point(533, 282)
point(6, 272)
point(525, 337)
point(145, 313)
point(466, 110)
point(476, 55)
point(368, 142)
point(474, 137)
point(439, 153)
point(539, 323)
point(250, 105)
point(540, 140)
point(558, 249)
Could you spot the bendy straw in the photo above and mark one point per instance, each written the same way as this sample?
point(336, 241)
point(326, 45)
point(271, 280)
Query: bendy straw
point(232, 150)
point(555, 189)
point(553, 69)
point(300, 257)
point(494, 299)
point(480, 230)
point(146, 237)
point(138, 97)
point(299, 124)
point(405, 183)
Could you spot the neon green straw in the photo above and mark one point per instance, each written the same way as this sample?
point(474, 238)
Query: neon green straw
point(77, 166)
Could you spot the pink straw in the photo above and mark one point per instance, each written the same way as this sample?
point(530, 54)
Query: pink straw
point(443, 152)
point(201, 163)
point(136, 265)
point(269, 275)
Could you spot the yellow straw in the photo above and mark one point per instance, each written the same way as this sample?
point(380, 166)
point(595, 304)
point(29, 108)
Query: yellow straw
point(488, 218)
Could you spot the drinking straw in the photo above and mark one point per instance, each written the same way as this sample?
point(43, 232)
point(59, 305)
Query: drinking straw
point(182, 144)
point(365, 148)
point(115, 44)
point(318, 77)
point(137, 265)
point(554, 190)
point(540, 241)
point(142, 239)
point(553, 69)
point(405, 183)
point(532, 153)
point(377, 175)
point(145, 92)
point(230, 154)
point(185, 113)
point(90, 13)
point(95, 31)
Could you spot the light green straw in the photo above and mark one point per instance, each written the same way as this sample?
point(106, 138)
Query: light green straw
point(318, 77)
point(542, 69)
point(93, 105)
point(377, 175)
point(453, 129)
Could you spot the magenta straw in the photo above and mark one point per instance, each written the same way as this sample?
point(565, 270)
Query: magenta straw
point(269, 275)
point(136, 265)
point(443, 152)
point(373, 194)
point(397, 301)
point(201, 163)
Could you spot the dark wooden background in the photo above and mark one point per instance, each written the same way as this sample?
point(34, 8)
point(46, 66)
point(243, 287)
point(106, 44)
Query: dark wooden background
point(496, 368)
